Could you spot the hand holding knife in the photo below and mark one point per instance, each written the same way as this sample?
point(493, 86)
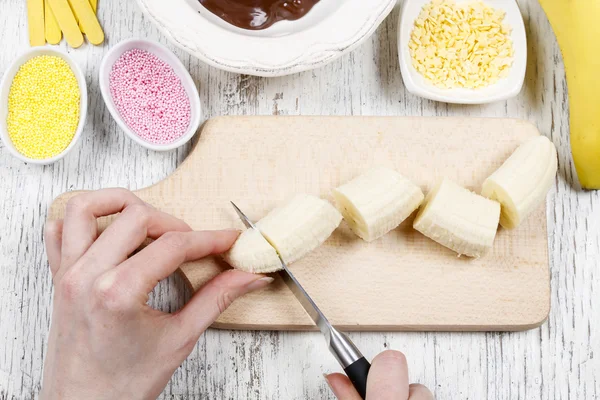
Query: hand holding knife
point(350, 358)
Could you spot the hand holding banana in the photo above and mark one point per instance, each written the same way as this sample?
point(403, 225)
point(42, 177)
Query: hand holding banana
point(378, 201)
point(101, 294)
point(105, 341)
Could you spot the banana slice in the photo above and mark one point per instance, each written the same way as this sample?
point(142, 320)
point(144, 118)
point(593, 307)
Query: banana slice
point(377, 202)
point(252, 253)
point(521, 184)
point(293, 230)
point(300, 226)
point(459, 219)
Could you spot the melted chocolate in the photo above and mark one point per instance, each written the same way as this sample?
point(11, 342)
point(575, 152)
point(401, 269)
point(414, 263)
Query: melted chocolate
point(258, 14)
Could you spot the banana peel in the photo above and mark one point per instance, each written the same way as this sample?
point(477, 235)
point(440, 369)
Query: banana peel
point(576, 24)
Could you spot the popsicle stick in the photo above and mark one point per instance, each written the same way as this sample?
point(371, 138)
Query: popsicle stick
point(94, 4)
point(73, 11)
point(89, 21)
point(66, 22)
point(35, 20)
point(53, 32)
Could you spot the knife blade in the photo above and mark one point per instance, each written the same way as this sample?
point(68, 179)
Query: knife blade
point(343, 349)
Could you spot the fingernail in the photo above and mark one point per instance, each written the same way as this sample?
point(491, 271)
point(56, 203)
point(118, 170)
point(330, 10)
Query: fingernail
point(327, 380)
point(260, 283)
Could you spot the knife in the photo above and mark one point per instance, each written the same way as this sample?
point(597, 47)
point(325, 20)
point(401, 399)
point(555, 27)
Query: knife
point(350, 358)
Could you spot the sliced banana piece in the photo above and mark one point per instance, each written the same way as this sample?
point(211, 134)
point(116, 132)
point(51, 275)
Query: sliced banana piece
point(377, 202)
point(293, 230)
point(300, 226)
point(521, 184)
point(252, 253)
point(459, 219)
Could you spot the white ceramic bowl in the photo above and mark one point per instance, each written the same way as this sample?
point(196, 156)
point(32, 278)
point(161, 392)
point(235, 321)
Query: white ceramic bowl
point(167, 56)
point(505, 88)
point(330, 29)
point(5, 89)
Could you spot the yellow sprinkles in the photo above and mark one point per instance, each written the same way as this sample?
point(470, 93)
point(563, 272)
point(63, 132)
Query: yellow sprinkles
point(43, 107)
point(461, 45)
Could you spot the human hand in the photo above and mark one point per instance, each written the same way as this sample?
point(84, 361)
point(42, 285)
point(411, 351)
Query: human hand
point(105, 341)
point(388, 380)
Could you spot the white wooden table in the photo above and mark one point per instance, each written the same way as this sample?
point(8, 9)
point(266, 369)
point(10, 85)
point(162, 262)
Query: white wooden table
point(560, 360)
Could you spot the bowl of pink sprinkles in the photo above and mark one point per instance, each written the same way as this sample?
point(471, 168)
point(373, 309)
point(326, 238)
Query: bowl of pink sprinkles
point(150, 94)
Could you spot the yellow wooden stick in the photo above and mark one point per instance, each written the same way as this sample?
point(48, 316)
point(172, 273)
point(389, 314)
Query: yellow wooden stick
point(53, 33)
point(73, 11)
point(94, 4)
point(66, 21)
point(35, 20)
point(88, 20)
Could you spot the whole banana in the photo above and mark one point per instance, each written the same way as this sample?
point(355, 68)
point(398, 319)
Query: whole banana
point(577, 29)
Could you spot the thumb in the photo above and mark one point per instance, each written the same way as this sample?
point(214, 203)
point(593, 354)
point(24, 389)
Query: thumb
point(341, 387)
point(53, 240)
point(214, 297)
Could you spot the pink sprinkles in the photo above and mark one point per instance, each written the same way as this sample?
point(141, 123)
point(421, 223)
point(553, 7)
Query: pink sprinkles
point(150, 97)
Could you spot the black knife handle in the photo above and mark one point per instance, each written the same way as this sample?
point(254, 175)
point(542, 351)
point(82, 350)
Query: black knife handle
point(358, 372)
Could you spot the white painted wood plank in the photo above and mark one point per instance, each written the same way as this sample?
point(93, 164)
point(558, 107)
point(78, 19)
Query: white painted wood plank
point(557, 361)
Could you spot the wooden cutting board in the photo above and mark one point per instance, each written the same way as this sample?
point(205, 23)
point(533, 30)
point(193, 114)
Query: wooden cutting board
point(403, 281)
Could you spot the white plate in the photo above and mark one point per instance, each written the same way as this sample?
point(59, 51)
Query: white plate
point(505, 88)
point(330, 29)
point(167, 56)
point(5, 90)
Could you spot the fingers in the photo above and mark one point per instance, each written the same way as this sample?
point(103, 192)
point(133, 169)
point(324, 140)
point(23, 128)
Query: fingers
point(161, 258)
point(342, 387)
point(419, 392)
point(136, 223)
point(80, 228)
point(388, 377)
point(214, 298)
point(53, 240)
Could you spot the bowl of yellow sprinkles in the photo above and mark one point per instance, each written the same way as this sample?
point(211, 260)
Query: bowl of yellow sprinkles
point(43, 104)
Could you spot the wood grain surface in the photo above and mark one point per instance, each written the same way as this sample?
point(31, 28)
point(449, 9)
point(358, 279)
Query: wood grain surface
point(261, 162)
point(559, 360)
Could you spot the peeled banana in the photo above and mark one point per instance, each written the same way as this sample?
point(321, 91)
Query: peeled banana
point(459, 219)
point(520, 185)
point(377, 202)
point(577, 29)
point(293, 231)
point(252, 253)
